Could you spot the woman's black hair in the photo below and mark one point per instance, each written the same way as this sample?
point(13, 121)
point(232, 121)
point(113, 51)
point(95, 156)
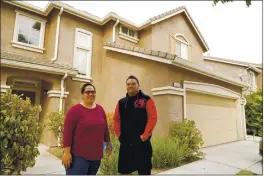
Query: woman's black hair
point(85, 85)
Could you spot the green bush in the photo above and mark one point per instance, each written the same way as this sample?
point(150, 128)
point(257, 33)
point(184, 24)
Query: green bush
point(168, 152)
point(20, 132)
point(253, 111)
point(187, 134)
point(55, 124)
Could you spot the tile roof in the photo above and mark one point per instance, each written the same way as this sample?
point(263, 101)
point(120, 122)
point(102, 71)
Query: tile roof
point(176, 60)
point(34, 60)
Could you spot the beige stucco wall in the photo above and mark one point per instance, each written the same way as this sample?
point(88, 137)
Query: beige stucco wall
point(162, 31)
point(259, 79)
point(229, 69)
point(145, 38)
point(108, 31)
point(8, 17)
point(169, 108)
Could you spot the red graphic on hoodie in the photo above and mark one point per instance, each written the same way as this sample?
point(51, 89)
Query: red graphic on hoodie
point(140, 103)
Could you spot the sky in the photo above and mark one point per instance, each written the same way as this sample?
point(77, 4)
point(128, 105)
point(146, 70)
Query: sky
point(231, 30)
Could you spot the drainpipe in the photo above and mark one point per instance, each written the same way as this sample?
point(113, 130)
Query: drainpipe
point(62, 90)
point(114, 27)
point(61, 100)
point(57, 36)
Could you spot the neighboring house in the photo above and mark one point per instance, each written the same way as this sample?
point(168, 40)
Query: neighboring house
point(49, 53)
point(245, 71)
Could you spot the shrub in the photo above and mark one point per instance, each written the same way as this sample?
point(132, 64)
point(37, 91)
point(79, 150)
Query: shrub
point(55, 124)
point(109, 164)
point(253, 111)
point(20, 132)
point(187, 134)
point(168, 152)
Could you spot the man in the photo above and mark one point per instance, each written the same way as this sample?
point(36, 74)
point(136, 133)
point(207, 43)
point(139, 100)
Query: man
point(134, 120)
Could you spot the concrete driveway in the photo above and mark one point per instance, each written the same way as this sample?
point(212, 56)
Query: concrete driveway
point(225, 159)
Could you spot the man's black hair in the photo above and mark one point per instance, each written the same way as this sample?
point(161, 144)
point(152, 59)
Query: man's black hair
point(132, 77)
point(85, 85)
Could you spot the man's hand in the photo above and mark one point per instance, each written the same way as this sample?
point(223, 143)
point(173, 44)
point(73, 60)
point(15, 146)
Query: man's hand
point(67, 159)
point(108, 149)
point(143, 139)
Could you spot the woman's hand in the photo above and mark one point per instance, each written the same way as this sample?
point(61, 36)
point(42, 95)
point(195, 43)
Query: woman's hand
point(108, 149)
point(66, 159)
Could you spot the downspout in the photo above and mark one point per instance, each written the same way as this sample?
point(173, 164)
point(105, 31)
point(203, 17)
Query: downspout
point(57, 36)
point(61, 101)
point(243, 103)
point(114, 27)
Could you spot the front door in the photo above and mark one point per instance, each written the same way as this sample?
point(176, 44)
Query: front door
point(31, 95)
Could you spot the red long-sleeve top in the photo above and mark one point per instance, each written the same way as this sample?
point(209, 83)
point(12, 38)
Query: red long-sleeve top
point(85, 130)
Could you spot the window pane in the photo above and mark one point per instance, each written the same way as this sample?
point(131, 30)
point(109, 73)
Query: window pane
point(131, 33)
point(184, 51)
point(22, 38)
point(80, 62)
point(83, 39)
point(23, 30)
point(34, 33)
point(24, 21)
point(124, 30)
point(35, 25)
point(34, 41)
point(178, 49)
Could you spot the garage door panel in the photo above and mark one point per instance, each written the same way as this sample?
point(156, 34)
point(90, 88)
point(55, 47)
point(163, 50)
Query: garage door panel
point(216, 121)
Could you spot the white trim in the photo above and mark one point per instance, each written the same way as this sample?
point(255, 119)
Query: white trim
point(35, 67)
point(4, 88)
point(167, 90)
point(210, 89)
point(233, 62)
point(154, 58)
point(123, 36)
point(57, 94)
point(89, 57)
point(82, 79)
point(29, 47)
point(181, 35)
point(168, 16)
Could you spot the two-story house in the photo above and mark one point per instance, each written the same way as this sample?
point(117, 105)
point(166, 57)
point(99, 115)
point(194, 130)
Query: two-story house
point(47, 54)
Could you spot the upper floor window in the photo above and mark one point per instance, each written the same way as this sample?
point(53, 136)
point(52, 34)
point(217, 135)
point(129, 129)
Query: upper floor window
point(128, 34)
point(83, 53)
point(181, 46)
point(29, 32)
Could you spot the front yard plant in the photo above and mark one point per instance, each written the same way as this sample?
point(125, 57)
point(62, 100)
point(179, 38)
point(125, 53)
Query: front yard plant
point(20, 132)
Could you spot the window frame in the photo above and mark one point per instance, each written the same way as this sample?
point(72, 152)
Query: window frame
point(15, 43)
point(186, 42)
point(127, 36)
point(89, 61)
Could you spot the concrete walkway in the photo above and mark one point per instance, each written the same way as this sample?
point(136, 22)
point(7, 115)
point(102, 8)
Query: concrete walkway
point(46, 163)
point(225, 159)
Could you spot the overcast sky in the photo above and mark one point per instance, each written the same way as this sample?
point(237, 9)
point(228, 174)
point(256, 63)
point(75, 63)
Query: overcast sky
point(231, 30)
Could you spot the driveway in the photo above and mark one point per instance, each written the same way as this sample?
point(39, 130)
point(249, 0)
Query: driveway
point(225, 159)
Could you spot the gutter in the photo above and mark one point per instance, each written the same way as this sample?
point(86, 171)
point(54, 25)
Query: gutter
point(62, 90)
point(57, 36)
point(114, 27)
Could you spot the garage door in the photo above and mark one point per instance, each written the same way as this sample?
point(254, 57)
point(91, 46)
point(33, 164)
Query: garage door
point(214, 116)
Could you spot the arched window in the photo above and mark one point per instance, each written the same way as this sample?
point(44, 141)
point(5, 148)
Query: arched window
point(181, 46)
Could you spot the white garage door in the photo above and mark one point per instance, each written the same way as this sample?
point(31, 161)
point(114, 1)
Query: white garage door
point(214, 116)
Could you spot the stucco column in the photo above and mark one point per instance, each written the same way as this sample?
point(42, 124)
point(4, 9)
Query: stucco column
point(243, 118)
point(170, 107)
point(4, 88)
point(51, 105)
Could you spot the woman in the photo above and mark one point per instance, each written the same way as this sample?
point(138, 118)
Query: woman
point(84, 134)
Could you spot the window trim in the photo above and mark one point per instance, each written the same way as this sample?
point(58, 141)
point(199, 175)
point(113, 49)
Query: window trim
point(127, 36)
point(89, 71)
point(17, 44)
point(186, 42)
